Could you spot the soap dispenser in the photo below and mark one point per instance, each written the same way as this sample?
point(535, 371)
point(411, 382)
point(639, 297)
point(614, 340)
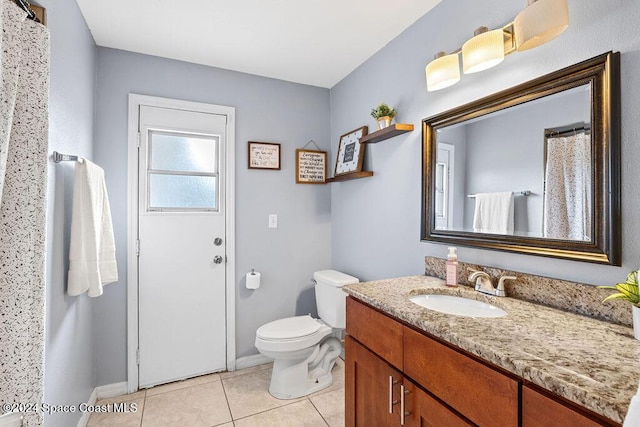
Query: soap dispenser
point(452, 268)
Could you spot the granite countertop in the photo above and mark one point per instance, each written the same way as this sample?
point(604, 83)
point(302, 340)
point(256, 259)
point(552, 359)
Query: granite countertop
point(591, 362)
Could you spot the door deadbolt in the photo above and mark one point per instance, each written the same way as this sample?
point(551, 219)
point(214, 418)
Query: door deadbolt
point(217, 241)
point(217, 259)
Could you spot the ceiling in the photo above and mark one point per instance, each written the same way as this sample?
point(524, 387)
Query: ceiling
point(314, 42)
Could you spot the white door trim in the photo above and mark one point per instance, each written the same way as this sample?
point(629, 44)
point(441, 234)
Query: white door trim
point(135, 101)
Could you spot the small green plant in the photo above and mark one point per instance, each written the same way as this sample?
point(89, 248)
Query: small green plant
point(627, 290)
point(383, 110)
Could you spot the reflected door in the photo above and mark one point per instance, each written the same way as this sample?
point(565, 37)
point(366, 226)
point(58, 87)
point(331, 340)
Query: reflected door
point(443, 187)
point(182, 328)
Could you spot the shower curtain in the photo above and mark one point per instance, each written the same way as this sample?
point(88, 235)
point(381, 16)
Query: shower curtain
point(24, 91)
point(567, 194)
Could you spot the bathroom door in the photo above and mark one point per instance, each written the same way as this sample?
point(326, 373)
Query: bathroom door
point(181, 229)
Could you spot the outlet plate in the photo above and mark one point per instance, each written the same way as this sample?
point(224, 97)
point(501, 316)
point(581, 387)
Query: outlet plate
point(273, 221)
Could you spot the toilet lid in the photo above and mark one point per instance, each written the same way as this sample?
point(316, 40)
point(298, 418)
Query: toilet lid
point(290, 327)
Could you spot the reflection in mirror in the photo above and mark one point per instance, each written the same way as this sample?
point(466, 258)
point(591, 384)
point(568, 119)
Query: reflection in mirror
point(532, 169)
point(515, 151)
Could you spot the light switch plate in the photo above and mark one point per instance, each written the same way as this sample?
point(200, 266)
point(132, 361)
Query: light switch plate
point(273, 221)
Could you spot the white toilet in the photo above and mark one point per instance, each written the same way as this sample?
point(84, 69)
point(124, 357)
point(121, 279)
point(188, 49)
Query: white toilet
point(305, 349)
point(11, 419)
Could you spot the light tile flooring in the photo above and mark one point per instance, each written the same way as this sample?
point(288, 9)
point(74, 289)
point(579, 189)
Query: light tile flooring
point(239, 399)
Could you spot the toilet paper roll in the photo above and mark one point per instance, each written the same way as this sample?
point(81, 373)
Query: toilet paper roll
point(253, 280)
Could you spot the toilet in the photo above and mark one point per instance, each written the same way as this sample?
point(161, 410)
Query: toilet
point(11, 419)
point(305, 349)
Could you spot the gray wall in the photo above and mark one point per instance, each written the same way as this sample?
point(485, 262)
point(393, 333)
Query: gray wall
point(266, 110)
point(69, 355)
point(376, 221)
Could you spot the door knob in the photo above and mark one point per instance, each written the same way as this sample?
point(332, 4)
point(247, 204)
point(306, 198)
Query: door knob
point(217, 241)
point(217, 259)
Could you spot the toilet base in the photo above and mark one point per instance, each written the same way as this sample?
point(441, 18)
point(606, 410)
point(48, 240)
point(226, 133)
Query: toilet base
point(292, 379)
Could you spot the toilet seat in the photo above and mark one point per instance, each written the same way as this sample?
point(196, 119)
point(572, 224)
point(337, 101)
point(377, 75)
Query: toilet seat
point(289, 327)
point(291, 334)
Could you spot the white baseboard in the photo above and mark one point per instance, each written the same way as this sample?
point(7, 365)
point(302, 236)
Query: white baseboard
point(102, 392)
point(253, 360)
point(85, 415)
point(111, 390)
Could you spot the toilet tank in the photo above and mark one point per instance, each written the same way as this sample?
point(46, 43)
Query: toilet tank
point(330, 298)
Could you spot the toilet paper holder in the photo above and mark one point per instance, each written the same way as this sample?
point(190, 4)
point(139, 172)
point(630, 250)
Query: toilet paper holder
point(252, 280)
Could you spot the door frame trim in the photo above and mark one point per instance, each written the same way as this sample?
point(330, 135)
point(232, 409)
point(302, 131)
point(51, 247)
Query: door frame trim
point(135, 101)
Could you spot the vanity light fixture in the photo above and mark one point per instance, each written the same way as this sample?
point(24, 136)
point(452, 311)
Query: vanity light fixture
point(483, 51)
point(443, 71)
point(538, 23)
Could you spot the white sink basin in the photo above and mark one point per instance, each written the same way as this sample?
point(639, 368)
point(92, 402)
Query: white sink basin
point(457, 306)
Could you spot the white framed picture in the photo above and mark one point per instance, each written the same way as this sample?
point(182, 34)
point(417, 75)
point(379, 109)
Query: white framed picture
point(264, 155)
point(350, 152)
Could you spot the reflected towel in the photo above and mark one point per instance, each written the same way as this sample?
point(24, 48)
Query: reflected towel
point(633, 414)
point(92, 253)
point(493, 213)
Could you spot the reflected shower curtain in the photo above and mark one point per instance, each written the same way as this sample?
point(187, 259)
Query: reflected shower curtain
point(24, 91)
point(567, 193)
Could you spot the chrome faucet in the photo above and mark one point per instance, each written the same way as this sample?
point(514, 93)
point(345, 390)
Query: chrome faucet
point(484, 285)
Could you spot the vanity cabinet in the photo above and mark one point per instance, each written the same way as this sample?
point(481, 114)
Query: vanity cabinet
point(376, 390)
point(390, 367)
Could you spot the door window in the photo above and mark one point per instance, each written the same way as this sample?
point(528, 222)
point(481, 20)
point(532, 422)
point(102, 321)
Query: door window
point(182, 172)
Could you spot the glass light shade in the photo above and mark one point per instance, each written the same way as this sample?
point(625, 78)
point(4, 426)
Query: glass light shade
point(443, 72)
point(483, 51)
point(540, 22)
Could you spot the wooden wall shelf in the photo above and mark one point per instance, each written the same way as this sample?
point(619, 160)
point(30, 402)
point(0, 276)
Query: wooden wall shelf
point(350, 176)
point(386, 133)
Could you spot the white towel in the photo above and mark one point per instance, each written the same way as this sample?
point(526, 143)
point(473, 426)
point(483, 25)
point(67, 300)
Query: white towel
point(493, 213)
point(633, 414)
point(92, 253)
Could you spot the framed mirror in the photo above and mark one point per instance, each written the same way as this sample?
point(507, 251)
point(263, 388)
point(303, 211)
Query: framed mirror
point(533, 169)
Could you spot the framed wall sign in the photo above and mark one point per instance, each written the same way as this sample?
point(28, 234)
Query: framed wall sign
point(264, 155)
point(350, 152)
point(311, 167)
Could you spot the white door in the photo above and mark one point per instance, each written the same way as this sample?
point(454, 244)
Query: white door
point(181, 232)
point(444, 186)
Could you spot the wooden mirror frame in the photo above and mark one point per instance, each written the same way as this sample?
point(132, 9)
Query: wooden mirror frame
point(602, 73)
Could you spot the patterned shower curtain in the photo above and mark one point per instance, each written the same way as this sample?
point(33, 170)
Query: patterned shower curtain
point(24, 92)
point(567, 193)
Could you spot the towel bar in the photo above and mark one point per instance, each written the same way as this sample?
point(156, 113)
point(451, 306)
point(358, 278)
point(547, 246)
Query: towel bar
point(519, 193)
point(59, 157)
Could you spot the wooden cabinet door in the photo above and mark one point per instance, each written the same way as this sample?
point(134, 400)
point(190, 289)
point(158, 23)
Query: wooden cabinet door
point(423, 410)
point(376, 331)
point(372, 388)
point(539, 410)
point(485, 396)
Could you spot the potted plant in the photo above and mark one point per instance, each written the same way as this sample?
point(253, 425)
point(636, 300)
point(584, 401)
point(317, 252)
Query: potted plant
point(628, 291)
point(383, 115)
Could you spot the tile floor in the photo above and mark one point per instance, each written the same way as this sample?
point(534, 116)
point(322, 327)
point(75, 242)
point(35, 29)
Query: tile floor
point(239, 399)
